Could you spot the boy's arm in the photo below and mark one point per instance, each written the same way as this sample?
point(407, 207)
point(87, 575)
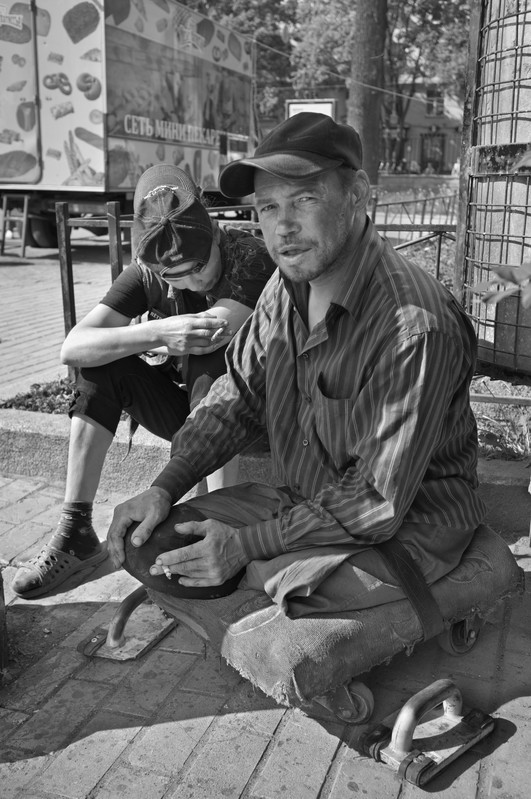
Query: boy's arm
point(105, 335)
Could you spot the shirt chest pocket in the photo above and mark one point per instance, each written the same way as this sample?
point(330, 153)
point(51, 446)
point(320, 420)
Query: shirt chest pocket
point(333, 424)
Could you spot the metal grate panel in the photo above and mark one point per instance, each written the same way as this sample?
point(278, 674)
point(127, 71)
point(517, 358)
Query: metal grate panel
point(498, 228)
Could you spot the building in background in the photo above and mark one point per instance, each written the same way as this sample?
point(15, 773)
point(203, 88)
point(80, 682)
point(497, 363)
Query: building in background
point(428, 141)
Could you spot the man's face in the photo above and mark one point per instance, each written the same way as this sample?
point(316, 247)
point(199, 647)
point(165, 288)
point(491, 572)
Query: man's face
point(194, 276)
point(305, 223)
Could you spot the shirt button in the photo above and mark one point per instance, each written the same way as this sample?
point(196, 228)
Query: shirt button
point(308, 398)
point(305, 355)
point(305, 442)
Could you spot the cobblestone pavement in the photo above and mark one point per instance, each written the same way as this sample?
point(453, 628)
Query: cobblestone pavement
point(31, 307)
point(178, 722)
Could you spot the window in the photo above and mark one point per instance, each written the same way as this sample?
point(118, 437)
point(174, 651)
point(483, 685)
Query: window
point(435, 102)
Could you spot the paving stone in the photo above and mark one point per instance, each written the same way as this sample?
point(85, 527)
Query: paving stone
point(30, 794)
point(147, 686)
point(519, 625)
point(26, 508)
point(42, 679)
point(360, 776)
point(54, 489)
point(518, 708)
point(9, 721)
point(50, 516)
point(23, 541)
point(233, 749)
point(505, 767)
point(182, 639)
point(211, 675)
point(250, 700)
point(515, 679)
point(123, 781)
point(299, 759)
point(170, 739)
point(18, 771)
point(76, 770)
point(102, 514)
point(104, 670)
point(4, 527)
point(53, 724)
point(14, 490)
point(35, 629)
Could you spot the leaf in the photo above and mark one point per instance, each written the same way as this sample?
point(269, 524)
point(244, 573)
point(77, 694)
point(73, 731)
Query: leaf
point(512, 274)
point(524, 160)
point(492, 297)
point(480, 288)
point(526, 297)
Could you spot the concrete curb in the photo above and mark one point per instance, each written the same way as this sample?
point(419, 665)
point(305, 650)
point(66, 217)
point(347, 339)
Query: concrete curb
point(36, 445)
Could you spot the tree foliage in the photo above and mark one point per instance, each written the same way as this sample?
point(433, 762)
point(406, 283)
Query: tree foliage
point(268, 22)
point(322, 43)
point(426, 39)
point(304, 46)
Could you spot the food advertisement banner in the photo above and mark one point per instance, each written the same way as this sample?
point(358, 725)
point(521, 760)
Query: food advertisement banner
point(67, 39)
point(19, 139)
point(93, 93)
point(177, 85)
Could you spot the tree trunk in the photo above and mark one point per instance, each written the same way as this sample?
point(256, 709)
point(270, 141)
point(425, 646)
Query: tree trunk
point(364, 103)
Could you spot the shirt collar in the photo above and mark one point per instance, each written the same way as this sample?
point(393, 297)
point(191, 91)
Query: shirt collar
point(362, 264)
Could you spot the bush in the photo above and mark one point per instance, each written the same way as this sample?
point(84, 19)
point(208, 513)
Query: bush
point(52, 397)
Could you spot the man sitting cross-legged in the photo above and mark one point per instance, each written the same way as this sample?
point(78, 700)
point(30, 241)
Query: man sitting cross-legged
point(359, 364)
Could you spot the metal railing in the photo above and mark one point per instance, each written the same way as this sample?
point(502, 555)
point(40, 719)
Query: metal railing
point(113, 222)
point(419, 210)
point(427, 232)
point(437, 210)
point(116, 224)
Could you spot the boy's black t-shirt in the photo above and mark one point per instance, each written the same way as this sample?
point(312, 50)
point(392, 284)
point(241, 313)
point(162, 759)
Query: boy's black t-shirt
point(247, 267)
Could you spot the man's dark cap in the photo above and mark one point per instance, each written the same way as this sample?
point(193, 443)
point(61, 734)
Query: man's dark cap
point(302, 146)
point(171, 226)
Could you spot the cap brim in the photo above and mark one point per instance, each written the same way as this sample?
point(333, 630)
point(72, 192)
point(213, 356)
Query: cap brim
point(237, 178)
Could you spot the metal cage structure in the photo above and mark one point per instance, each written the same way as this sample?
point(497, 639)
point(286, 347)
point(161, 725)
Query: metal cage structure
point(494, 227)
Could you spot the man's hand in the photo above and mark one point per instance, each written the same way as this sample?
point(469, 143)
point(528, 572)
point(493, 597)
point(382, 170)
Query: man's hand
point(209, 562)
point(150, 508)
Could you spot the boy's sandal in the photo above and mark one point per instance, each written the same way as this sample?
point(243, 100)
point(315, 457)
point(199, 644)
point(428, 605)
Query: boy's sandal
point(49, 569)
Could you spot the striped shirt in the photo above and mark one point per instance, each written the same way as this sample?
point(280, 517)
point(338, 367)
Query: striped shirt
point(368, 415)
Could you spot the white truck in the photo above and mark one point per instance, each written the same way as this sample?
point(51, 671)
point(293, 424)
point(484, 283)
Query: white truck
point(93, 93)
